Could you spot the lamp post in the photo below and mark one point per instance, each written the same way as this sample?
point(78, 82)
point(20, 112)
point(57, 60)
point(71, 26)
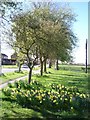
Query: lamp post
point(86, 56)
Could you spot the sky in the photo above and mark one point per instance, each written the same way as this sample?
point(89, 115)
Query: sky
point(80, 28)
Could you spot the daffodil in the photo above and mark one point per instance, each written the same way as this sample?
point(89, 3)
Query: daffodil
point(51, 97)
point(54, 101)
point(71, 108)
point(39, 97)
point(49, 93)
point(40, 101)
point(61, 98)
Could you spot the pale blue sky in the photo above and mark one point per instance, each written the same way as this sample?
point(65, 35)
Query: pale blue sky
point(80, 28)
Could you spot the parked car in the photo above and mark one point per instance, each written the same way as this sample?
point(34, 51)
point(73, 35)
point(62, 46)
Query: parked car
point(24, 66)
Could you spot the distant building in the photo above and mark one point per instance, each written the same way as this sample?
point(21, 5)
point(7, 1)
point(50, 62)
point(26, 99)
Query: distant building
point(4, 56)
point(6, 61)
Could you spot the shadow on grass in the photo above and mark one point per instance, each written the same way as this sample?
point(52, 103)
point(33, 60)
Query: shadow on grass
point(7, 99)
point(71, 69)
point(44, 110)
point(33, 118)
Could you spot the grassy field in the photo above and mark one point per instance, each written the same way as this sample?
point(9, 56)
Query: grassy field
point(64, 77)
point(12, 75)
point(9, 66)
point(68, 76)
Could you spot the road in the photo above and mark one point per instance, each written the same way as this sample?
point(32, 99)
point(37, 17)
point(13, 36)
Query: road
point(7, 70)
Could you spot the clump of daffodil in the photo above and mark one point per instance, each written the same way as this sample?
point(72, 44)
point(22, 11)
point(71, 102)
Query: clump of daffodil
point(58, 96)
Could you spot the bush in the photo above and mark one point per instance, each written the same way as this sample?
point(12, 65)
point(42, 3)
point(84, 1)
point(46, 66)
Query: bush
point(10, 85)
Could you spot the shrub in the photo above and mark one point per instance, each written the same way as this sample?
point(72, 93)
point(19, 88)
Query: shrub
point(10, 85)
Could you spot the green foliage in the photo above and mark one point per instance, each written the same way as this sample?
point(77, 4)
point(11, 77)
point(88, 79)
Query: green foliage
point(57, 98)
point(43, 32)
point(10, 85)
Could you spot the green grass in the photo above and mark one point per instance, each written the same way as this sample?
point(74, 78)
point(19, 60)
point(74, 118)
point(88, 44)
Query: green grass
point(13, 110)
point(16, 111)
point(10, 109)
point(64, 77)
point(12, 75)
point(72, 67)
point(36, 68)
point(75, 77)
point(9, 66)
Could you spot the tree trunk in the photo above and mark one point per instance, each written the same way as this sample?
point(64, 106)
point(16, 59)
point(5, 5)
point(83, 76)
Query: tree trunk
point(30, 74)
point(41, 68)
point(50, 63)
point(45, 69)
point(56, 65)
point(19, 67)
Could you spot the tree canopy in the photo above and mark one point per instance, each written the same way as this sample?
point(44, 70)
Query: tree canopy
point(44, 32)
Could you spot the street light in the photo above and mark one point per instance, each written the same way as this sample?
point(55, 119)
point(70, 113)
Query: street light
point(86, 56)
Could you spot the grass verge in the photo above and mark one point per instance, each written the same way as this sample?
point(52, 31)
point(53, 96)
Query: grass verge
point(9, 66)
point(64, 77)
point(12, 75)
point(10, 108)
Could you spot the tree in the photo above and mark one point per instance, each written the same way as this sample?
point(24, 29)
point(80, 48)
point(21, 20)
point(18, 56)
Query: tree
point(20, 58)
point(43, 32)
point(56, 39)
point(6, 10)
point(25, 40)
point(66, 38)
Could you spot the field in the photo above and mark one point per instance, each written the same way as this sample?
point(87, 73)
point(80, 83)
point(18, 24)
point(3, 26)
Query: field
point(56, 95)
point(65, 77)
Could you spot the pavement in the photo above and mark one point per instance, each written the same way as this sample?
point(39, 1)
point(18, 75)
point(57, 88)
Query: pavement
point(17, 79)
point(7, 70)
point(12, 81)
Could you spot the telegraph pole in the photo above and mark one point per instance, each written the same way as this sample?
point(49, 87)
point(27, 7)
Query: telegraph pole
point(0, 60)
point(86, 56)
